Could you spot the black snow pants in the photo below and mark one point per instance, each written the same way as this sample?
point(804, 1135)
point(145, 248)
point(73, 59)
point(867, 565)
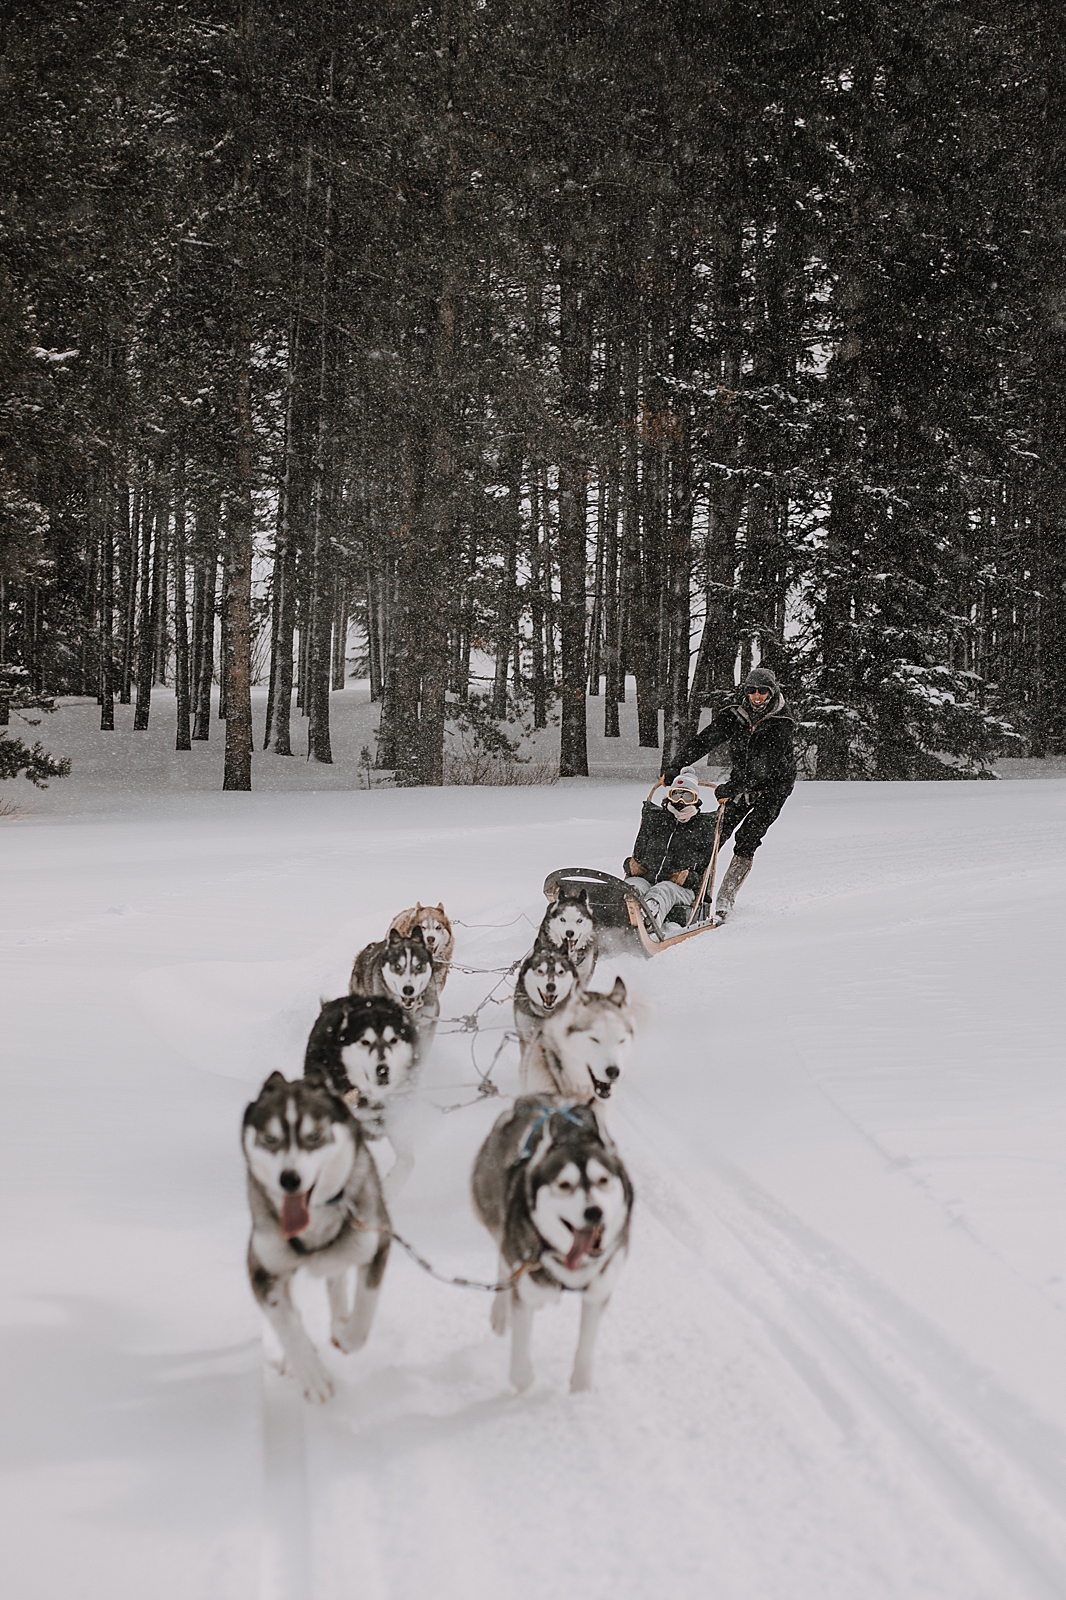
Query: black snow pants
point(754, 813)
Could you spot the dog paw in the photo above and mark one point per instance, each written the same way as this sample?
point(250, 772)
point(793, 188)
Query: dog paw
point(581, 1383)
point(348, 1337)
point(315, 1384)
point(499, 1316)
point(522, 1378)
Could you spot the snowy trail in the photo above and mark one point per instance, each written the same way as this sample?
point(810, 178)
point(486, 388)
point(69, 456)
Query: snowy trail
point(833, 1366)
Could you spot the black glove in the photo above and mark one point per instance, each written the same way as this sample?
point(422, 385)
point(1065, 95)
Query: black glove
point(669, 774)
point(724, 791)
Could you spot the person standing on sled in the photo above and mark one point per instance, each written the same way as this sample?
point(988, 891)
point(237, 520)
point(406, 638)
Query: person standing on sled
point(673, 847)
point(759, 731)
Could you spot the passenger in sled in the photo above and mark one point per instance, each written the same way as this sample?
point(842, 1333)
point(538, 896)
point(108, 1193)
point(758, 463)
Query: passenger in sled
point(673, 848)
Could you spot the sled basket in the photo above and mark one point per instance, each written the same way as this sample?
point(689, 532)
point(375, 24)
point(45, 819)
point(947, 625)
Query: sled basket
point(625, 923)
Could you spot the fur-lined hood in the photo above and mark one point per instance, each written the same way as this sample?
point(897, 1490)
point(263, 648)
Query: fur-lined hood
point(778, 707)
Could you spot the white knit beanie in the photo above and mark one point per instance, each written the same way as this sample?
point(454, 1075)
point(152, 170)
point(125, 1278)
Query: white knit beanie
point(686, 779)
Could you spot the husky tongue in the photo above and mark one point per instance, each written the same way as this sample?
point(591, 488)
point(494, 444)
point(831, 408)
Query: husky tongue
point(585, 1240)
point(295, 1215)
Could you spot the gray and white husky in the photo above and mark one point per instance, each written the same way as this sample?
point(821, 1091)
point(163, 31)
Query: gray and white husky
point(550, 1187)
point(401, 968)
point(569, 924)
point(365, 1047)
point(316, 1204)
point(546, 980)
point(436, 931)
point(582, 1047)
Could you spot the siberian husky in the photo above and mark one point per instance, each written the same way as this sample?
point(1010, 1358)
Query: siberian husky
point(365, 1048)
point(569, 924)
point(402, 968)
point(581, 1048)
point(546, 980)
point(316, 1203)
point(436, 931)
point(550, 1187)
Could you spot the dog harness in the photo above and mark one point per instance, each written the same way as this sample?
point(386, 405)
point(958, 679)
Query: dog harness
point(546, 1113)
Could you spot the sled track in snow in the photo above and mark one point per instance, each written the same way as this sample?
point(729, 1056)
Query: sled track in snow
point(1001, 1468)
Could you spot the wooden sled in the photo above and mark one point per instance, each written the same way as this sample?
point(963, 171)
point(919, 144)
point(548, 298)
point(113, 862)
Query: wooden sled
point(625, 923)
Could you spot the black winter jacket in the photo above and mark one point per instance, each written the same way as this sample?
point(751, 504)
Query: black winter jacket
point(761, 752)
point(666, 848)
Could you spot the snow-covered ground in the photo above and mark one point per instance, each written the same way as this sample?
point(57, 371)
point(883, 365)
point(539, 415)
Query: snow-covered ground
point(834, 1368)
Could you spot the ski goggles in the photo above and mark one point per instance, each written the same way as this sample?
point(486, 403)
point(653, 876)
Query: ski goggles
point(683, 797)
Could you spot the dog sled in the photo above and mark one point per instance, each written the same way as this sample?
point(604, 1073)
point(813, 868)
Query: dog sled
point(626, 924)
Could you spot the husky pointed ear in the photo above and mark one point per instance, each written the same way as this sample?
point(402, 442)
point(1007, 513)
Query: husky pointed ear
point(417, 936)
point(440, 907)
point(618, 993)
point(418, 907)
point(277, 1080)
point(394, 936)
point(315, 1075)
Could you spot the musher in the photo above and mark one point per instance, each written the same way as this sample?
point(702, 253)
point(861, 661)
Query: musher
point(759, 730)
point(673, 847)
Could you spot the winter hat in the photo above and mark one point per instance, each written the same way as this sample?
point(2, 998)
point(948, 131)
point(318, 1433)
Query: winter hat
point(686, 779)
point(760, 678)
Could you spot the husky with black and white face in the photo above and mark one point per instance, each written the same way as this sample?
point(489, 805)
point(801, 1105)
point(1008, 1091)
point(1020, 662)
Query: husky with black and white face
point(550, 1187)
point(436, 931)
point(316, 1204)
point(581, 1049)
point(546, 979)
point(366, 1045)
point(401, 968)
point(569, 924)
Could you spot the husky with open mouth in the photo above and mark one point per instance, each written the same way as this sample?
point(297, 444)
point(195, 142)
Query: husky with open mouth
point(365, 1047)
point(569, 924)
point(316, 1204)
point(546, 980)
point(436, 931)
point(550, 1187)
point(402, 968)
point(581, 1048)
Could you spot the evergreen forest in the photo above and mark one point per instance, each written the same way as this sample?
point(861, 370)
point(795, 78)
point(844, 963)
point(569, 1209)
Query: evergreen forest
point(618, 346)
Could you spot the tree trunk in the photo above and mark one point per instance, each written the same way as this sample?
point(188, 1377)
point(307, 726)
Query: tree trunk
point(181, 635)
point(132, 521)
point(613, 687)
point(105, 493)
point(160, 574)
point(340, 626)
point(316, 698)
point(508, 609)
point(150, 601)
point(207, 543)
point(573, 336)
point(536, 604)
point(237, 603)
point(595, 641)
